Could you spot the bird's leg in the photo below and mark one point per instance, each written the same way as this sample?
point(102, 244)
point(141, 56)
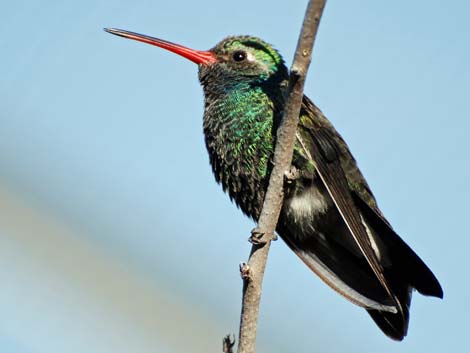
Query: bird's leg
point(260, 238)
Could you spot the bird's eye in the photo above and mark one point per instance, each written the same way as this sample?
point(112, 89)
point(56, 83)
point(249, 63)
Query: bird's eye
point(239, 55)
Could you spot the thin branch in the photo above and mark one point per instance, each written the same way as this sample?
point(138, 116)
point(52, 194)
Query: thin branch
point(227, 344)
point(253, 272)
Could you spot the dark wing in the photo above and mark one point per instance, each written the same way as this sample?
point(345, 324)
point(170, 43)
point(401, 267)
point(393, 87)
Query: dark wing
point(351, 195)
point(414, 269)
point(325, 154)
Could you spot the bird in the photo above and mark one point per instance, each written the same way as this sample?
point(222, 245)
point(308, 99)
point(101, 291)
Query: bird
point(329, 216)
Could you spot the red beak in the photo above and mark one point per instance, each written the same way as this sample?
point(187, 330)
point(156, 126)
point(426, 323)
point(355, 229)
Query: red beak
point(196, 56)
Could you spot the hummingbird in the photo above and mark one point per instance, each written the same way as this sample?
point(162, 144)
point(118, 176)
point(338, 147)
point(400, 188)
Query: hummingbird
point(329, 216)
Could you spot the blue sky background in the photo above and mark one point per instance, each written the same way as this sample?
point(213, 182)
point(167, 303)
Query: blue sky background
point(114, 236)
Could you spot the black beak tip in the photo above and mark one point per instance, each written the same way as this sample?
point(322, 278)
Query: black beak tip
point(111, 30)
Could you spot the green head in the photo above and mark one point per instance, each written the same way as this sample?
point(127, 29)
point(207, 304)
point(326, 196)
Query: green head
point(243, 59)
point(237, 60)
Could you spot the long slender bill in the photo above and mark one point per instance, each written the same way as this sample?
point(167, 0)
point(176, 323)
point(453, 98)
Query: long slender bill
point(196, 56)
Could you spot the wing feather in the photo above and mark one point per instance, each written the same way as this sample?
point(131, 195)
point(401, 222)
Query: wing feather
point(324, 154)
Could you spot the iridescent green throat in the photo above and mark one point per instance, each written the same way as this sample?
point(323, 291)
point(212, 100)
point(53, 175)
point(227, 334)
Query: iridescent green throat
point(239, 127)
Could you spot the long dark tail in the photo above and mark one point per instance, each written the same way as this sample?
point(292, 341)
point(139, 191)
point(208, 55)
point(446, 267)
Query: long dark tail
point(407, 272)
point(395, 325)
point(334, 258)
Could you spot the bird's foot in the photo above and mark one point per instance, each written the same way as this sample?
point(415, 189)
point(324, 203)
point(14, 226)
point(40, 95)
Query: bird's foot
point(260, 238)
point(244, 271)
point(292, 174)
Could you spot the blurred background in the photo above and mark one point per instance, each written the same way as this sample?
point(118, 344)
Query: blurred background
point(114, 236)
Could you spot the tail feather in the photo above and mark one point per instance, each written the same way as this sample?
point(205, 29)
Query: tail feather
point(407, 272)
point(406, 263)
point(394, 326)
point(350, 277)
point(337, 263)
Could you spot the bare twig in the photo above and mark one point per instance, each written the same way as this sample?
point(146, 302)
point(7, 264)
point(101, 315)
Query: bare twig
point(227, 344)
point(254, 270)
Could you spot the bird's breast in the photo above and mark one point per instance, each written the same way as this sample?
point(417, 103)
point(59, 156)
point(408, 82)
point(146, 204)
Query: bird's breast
point(238, 135)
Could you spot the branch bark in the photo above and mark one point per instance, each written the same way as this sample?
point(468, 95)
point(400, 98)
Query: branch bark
point(253, 272)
